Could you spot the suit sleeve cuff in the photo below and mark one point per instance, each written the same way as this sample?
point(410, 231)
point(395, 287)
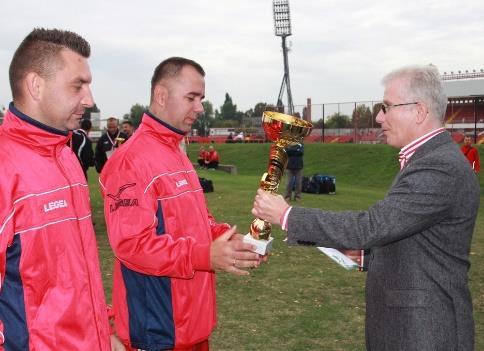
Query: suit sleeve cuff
point(201, 257)
point(284, 217)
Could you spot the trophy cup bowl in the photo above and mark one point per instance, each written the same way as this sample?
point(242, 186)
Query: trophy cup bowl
point(283, 130)
point(119, 141)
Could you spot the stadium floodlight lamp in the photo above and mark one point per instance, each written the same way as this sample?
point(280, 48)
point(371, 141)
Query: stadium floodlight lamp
point(282, 18)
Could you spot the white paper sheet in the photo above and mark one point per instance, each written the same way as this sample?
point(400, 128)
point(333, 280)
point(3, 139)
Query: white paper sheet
point(340, 258)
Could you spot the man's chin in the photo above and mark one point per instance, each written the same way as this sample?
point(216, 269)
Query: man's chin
point(187, 128)
point(73, 125)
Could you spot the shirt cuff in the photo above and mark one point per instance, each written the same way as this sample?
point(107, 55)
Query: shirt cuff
point(283, 219)
point(201, 257)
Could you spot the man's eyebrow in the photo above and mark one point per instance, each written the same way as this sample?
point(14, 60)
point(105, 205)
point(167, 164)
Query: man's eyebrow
point(82, 80)
point(196, 94)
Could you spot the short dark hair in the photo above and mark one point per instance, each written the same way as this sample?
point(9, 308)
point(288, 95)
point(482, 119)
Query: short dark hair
point(86, 124)
point(127, 122)
point(171, 67)
point(39, 52)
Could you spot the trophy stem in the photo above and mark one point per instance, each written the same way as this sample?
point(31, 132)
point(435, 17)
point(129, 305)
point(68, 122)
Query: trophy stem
point(270, 181)
point(277, 163)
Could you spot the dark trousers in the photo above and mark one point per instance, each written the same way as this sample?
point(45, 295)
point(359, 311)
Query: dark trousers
point(294, 179)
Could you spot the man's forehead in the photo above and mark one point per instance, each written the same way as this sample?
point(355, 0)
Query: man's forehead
point(73, 61)
point(394, 89)
point(188, 73)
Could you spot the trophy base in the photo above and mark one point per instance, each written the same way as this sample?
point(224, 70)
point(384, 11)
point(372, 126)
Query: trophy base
point(262, 247)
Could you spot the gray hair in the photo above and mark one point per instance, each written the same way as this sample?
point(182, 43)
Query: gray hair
point(422, 83)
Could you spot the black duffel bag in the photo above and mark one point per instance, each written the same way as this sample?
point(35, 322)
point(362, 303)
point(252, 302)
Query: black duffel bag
point(319, 184)
point(207, 185)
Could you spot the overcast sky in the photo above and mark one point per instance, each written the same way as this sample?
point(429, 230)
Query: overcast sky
point(339, 49)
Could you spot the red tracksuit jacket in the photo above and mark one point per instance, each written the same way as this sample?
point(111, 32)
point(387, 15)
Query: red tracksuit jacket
point(472, 156)
point(160, 231)
point(51, 297)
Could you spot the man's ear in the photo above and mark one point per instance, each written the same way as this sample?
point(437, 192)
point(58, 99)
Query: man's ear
point(422, 112)
point(33, 85)
point(160, 95)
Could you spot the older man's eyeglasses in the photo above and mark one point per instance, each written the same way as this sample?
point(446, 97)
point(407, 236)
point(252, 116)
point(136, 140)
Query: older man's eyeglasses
point(385, 107)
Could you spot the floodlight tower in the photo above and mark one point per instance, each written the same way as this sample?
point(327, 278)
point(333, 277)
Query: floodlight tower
point(282, 28)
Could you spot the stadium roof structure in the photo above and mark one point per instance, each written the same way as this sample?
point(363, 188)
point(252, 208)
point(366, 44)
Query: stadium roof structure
point(464, 84)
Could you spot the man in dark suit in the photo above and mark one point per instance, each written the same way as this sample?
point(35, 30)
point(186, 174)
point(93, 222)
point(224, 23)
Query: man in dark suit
point(417, 295)
point(108, 143)
point(82, 146)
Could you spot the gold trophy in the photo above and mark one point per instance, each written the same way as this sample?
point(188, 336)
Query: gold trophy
point(119, 141)
point(283, 130)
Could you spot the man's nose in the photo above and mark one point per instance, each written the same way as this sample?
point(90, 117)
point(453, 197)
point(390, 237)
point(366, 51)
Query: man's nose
point(199, 107)
point(380, 117)
point(88, 99)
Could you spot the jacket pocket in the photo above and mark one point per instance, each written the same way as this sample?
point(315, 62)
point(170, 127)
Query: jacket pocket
point(409, 298)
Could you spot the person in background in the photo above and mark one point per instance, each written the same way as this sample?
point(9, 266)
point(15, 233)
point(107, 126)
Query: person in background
point(202, 155)
point(128, 128)
point(51, 292)
point(82, 146)
point(212, 158)
point(471, 153)
point(167, 244)
point(420, 234)
point(239, 137)
point(108, 143)
point(294, 169)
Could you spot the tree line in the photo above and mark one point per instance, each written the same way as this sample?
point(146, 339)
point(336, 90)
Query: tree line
point(362, 117)
point(228, 116)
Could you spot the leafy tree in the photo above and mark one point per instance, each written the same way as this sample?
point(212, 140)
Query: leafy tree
point(259, 108)
point(205, 119)
point(362, 117)
point(319, 124)
point(228, 110)
point(208, 109)
point(135, 114)
point(239, 115)
point(338, 120)
point(225, 123)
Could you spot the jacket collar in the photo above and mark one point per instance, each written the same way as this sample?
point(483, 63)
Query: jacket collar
point(162, 130)
point(82, 131)
point(29, 131)
point(432, 144)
